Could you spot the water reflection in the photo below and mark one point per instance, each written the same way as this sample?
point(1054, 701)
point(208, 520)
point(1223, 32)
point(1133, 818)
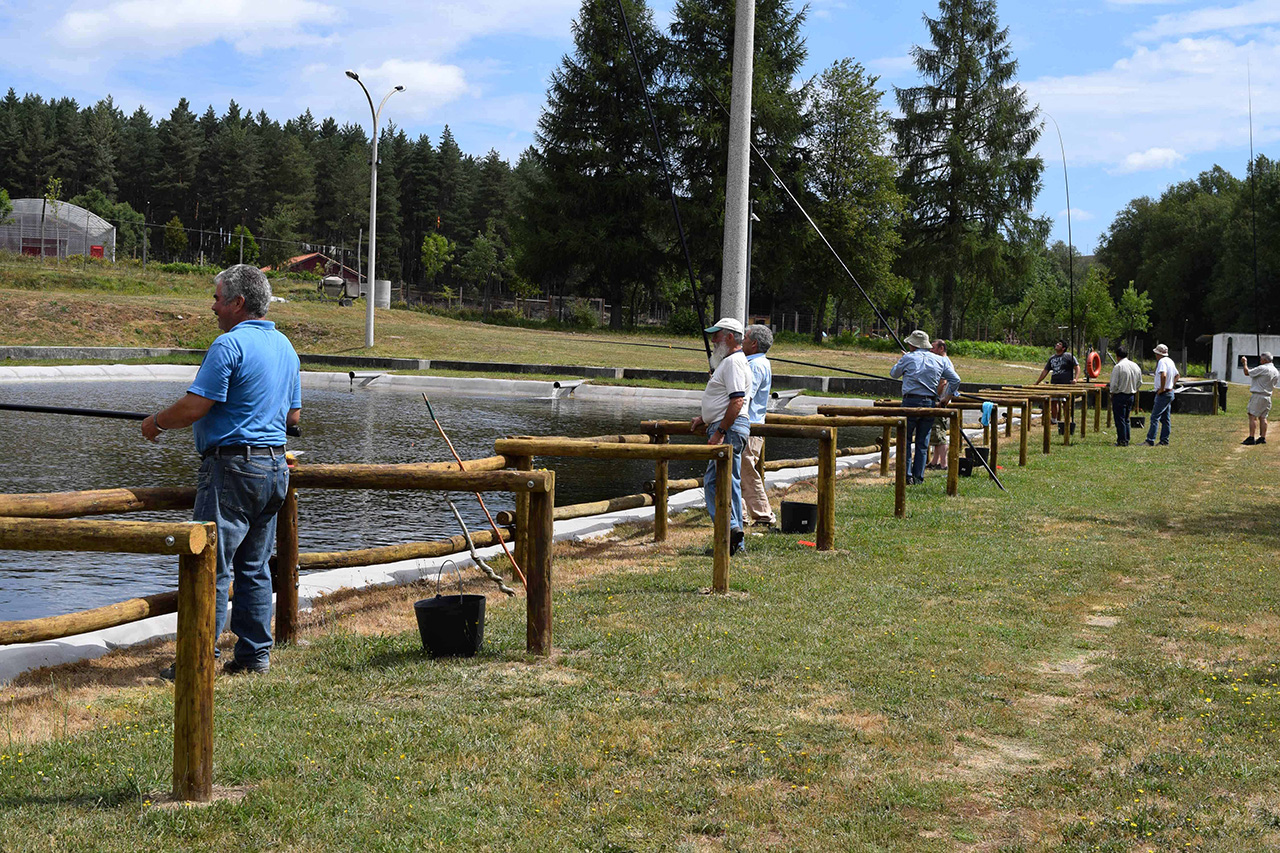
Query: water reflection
point(46, 453)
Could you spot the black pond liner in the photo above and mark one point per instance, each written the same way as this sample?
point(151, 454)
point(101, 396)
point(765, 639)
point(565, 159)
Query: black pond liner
point(451, 625)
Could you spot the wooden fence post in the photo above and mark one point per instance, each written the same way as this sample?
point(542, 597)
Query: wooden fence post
point(1084, 410)
point(1046, 406)
point(285, 576)
point(724, 494)
point(995, 438)
point(1024, 428)
point(953, 454)
point(1215, 409)
point(884, 453)
point(521, 549)
point(537, 567)
point(826, 491)
point(661, 492)
point(193, 674)
point(1008, 420)
point(900, 478)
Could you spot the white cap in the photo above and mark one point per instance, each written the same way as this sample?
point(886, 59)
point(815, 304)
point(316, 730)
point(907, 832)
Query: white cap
point(728, 324)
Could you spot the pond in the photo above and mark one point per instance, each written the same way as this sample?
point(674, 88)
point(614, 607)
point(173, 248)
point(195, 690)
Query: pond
point(47, 453)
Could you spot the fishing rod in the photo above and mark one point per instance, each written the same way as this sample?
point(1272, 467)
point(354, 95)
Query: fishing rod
point(671, 187)
point(1253, 206)
point(294, 431)
point(497, 533)
point(813, 225)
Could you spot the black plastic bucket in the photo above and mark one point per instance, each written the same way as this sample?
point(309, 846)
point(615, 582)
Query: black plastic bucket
point(972, 453)
point(451, 625)
point(799, 517)
point(1137, 422)
point(966, 467)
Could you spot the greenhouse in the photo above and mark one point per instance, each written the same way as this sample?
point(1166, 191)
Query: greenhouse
point(56, 230)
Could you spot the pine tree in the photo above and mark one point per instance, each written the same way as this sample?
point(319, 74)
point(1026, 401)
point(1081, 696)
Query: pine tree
point(139, 159)
point(964, 145)
point(180, 142)
point(601, 193)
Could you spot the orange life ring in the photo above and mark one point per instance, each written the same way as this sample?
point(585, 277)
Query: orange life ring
point(1093, 365)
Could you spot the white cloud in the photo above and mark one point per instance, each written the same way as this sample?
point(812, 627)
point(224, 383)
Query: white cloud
point(1152, 158)
point(1187, 96)
point(1077, 215)
point(427, 85)
point(1213, 19)
point(172, 26)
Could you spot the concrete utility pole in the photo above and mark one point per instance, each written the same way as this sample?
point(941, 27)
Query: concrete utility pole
point(733, 276)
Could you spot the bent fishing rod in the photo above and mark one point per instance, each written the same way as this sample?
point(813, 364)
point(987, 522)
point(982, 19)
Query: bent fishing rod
point(294, 431)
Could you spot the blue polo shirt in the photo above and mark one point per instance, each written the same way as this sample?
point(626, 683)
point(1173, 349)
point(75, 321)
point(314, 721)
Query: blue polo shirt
point(761, 385)
point(920, 371)
point(254, 378)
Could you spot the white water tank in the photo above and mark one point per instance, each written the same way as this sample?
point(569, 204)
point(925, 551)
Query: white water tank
point(382, 293)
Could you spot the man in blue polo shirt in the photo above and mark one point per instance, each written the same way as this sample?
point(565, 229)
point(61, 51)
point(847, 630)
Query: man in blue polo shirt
point(923, 376)
point(247, 392)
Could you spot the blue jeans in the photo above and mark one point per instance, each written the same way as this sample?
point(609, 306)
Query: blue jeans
point(918, 430)
point(1121, 406)
point(737, 439)
point(242, 496)
point(1160, 414)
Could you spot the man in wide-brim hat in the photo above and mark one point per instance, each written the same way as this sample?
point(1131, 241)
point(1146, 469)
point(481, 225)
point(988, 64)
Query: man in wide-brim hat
point(923, 376)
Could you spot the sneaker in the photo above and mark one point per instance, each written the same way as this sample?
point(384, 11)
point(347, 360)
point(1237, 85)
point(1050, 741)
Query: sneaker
point(1261, 441)
point(168, 672)
point(735, 542)
point(1164, 444)
point(234, 667)
point(1250, 440)
point(1149, 443)
point(765, 523)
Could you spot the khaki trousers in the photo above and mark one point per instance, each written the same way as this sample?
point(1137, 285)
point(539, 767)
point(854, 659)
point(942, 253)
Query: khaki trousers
point(755, 502)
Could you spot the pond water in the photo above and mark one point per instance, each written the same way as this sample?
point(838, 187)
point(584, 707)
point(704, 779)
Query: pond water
point(47, 453)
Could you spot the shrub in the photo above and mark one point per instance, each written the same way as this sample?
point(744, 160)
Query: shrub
point(581, 316)
point(684, 321)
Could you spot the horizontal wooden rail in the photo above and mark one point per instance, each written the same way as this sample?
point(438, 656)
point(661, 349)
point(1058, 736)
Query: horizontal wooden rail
point(70, 624)
point(97, 502)
point(585, 510)
point(128, 537)
point(417, 477)
point(598, 439)
point(765, 430)
point(597, 450)
point(317, 560)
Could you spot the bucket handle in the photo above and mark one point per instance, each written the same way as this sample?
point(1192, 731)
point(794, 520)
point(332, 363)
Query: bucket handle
point(456, 570)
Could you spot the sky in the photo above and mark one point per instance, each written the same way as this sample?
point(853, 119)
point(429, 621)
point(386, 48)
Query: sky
point(1145, 93)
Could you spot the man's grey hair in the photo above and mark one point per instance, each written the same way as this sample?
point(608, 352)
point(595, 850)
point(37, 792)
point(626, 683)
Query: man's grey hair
point(1265, 358)
point(762, 335)
point(247, 281)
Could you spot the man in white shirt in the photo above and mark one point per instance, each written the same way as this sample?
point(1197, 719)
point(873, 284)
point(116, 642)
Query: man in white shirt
point(724, 416)
point(1262, 381)
point(1166, 375)
point(1126, 379)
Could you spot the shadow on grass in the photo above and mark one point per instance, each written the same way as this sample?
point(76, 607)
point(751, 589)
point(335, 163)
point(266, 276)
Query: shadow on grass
point(109, 799)
point(1258, 523)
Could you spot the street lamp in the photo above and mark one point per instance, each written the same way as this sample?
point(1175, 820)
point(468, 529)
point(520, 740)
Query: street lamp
point(373, 205)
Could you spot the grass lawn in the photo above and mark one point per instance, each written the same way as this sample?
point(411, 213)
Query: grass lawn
point(68, 306)
point(1087, 662)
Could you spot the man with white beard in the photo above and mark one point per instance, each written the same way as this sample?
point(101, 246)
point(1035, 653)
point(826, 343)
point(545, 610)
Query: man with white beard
point(724, 417)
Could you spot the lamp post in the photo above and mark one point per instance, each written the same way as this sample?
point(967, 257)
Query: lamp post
point(373, 205)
